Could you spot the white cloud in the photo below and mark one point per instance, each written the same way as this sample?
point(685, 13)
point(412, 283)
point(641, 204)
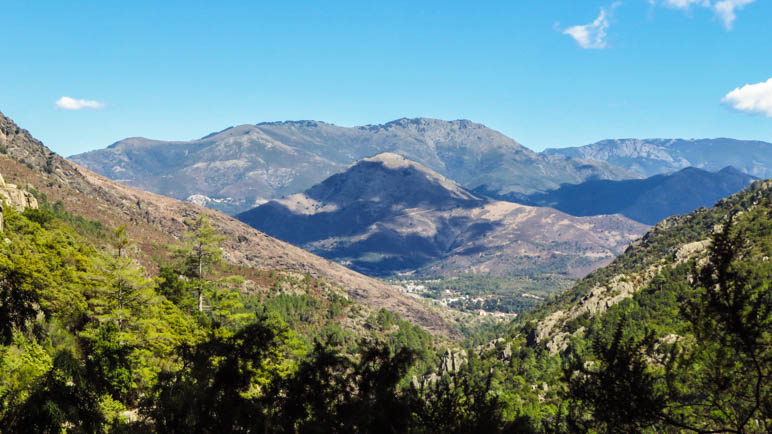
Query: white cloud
point(725, 10)
point(592, 35)
point(68, 103)
point(684, 4)
point(751, 98)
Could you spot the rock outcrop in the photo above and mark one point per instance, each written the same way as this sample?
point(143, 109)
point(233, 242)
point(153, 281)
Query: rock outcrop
point(14, 197)
point(671, 243)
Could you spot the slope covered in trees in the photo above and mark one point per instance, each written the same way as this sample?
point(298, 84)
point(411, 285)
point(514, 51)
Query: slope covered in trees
point(90, 343)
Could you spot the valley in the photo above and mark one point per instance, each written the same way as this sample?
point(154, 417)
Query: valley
point(490, 307)
point(386, 217)
point(449, 199)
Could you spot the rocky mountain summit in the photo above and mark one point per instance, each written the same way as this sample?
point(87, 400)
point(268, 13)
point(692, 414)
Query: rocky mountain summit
point(387, 214)
point(240, 167)
point(658, 156)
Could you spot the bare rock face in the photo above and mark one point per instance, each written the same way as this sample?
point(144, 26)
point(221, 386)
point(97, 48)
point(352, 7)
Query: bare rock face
point(14, 197)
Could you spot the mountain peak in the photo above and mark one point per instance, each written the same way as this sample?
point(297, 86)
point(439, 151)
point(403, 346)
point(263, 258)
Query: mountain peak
point(731, 170)
point(300, 123)
point(393, 160)
point(390, 177)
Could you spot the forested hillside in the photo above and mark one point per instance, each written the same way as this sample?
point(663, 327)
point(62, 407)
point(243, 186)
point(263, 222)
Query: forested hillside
point(675, 334)
point(90, 342)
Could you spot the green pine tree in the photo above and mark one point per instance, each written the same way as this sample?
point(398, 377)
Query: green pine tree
point(201, 252)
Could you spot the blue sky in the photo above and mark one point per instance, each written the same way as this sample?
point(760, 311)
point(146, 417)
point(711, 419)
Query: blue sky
point(546, 73)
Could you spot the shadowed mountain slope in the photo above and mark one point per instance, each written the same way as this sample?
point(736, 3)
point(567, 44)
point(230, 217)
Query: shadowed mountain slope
point(387, 215)
point(646, 200)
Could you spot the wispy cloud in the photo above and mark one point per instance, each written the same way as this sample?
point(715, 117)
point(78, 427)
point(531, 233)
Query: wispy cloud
point(751, 98)
point(724, 9)
point(593, 35)
point(68, 103)
point(684, 4)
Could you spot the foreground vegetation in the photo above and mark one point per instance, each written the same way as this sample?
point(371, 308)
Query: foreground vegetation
point(90, 343)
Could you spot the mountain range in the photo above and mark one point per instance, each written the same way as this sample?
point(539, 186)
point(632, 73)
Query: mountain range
point(649, 157)
point(387, 214)
point(315, 186)
point(645, 200)
point(240, 167)
point(156, 221)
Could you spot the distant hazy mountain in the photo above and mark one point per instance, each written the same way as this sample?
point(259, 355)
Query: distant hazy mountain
point(387, 214)
point(646, 200)
point(656, 156)
point(241, 167)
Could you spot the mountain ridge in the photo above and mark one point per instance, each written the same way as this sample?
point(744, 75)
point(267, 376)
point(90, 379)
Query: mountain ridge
point(242, 166)
point(646, 200)
point(657, 156)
